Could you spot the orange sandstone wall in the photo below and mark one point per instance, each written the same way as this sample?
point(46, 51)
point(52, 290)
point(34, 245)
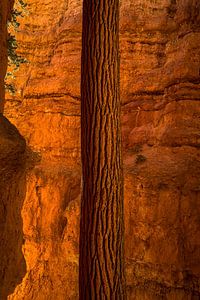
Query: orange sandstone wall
point(160, 90)
point(12, 183)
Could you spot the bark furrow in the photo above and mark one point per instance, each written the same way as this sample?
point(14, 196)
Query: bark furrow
point(101, 234)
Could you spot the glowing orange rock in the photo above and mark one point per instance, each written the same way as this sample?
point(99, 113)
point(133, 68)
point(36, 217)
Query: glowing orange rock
point(160, 60)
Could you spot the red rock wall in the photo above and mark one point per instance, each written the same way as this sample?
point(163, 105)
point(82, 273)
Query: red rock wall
point(12, 183)
point(160, 90)
point(12, 189)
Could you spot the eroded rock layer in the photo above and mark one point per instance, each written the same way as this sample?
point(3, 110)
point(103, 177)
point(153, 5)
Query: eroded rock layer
point(12, 183)
point(160, 90)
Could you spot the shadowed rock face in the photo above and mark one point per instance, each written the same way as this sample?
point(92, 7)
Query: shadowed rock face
point(13, 188)
point(160, 90)
point(12, 183)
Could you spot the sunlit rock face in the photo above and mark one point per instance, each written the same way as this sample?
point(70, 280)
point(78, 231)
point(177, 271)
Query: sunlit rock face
point(160, 90)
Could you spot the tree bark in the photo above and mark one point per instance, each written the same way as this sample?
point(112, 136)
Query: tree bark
point(101, 270)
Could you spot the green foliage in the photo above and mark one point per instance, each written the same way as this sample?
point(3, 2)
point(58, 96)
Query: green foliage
point(20, 11)
point(14, 59)
point(10, 88)
point(23, 4)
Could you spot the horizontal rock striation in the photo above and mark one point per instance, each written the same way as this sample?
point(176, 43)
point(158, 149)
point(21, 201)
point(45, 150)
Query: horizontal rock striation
point(160, 93)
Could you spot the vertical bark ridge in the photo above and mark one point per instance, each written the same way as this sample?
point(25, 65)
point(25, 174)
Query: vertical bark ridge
point(101, 234)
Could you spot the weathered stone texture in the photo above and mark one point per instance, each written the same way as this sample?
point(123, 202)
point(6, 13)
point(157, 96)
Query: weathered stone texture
point(12, 193)
point(12, 183)
point(160, 90)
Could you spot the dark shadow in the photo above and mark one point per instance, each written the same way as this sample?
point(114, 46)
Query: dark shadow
point(12, 194)
point(12, 182)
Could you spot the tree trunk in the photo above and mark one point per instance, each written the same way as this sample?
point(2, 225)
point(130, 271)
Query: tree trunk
point(101, 268)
